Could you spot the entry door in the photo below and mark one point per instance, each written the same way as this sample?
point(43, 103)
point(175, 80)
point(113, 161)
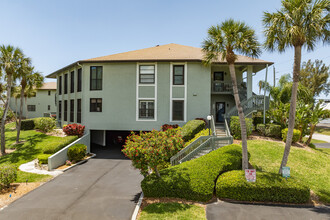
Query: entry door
point(220, 111)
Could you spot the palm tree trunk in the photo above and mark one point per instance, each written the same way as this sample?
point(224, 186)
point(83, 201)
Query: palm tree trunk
point(20, 115)
point(311, 134)
point(245, 159)
point(26, 114)
point(292, 113)
point(4, 116)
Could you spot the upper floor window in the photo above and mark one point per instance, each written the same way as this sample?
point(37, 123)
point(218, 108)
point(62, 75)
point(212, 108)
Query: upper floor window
point(218, 76)
point(60, 85)
point(177, 110)
point(79, 81)
point(49, 92)
point(72, 82)
point(147, 74)
point(31, 108)
point(146, 109)
point(178, 75)
point(65, 110)
point(95, 105)
point(96, 78)
point(65, 83)
point(78, 110)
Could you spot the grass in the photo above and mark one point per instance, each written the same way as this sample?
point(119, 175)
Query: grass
point(314, 141)
point(168, 211)
point(312, 167)
point(323, 130)
point(32, 144)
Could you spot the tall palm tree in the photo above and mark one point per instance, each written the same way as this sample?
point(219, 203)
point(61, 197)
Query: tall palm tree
point(28, 93)
point(298, 24)
point(29, 78)
point(225, 40)
point(9, 60)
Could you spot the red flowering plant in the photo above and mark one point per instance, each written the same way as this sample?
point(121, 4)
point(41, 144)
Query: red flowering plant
point(74, 129)
point(150, 149)
point(165, 127)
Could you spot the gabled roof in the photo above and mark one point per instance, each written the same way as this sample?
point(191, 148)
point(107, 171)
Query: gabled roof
point(167, 52)
point(48, 86)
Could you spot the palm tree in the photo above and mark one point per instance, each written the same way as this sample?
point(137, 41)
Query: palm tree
point(29, 78)
point(28, 93)
point(225, 40)
point(9, 59)
point(299, 23)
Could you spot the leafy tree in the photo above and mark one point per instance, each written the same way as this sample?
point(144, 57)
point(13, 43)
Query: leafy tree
point(299, 23)
point(9, 61)
point(225, 40)
point(314, 76)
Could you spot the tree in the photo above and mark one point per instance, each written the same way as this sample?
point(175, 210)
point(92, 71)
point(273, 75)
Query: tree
point(299, 23)
point(9, 60)
point(314, 76)
point(225, 40)
point(28, 93)
point(29, 79)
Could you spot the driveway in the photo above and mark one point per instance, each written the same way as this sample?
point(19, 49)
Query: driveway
point(105, 187)
point(225, 210)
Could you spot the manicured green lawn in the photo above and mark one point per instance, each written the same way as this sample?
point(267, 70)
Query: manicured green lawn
point(323, 130)
point(312, 167)
point(32, 145)
point(314, 141)
point(169, 211)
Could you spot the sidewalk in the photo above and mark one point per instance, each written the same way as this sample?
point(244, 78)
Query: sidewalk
point(224, 210)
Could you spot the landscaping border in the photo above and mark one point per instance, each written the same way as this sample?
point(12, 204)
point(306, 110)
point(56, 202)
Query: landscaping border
point(61, 156)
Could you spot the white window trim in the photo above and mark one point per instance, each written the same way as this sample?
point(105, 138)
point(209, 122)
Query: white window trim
point(138, 99)
point(185, 91)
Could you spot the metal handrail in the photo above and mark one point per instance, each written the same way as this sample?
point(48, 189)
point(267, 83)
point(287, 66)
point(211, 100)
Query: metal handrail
point(196, 151)
point(213, 126)
point(227, 128)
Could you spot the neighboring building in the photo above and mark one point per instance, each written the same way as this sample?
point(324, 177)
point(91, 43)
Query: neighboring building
point(144, 89)
point(43, 104)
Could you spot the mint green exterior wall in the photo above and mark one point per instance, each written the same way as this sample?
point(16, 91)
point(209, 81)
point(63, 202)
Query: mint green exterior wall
point(119, 96)
point(41, 101)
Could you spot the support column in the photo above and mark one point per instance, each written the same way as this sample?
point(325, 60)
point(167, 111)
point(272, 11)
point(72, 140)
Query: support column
point(249, 81)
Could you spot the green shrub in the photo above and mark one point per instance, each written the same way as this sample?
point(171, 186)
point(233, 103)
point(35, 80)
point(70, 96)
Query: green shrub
point(191, 128)
point(261, 128)
point(43, 158)
point(235, 127)
point(77, 152)
point(27, 124)
point(269, 187)
point(273, 130)
point(52, 149)
point(195, 179)
point(8, 175)
point(204, 132)
point(45, 124)
point(296, 135)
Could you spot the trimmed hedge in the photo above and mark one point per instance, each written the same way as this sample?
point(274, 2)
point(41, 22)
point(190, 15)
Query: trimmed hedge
point(191, 128)
point(52, 149)
point(261, 128)
point(77, 152)
point(235, 127)
point(27, 124)
point(259, 120)
point(195, 179)
point(269, 187)
point(273, 130)
point(296, 135)
point(8, 175)
point(43, 158)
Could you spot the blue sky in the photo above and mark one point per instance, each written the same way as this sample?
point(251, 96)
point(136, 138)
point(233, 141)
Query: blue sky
point(57, 33)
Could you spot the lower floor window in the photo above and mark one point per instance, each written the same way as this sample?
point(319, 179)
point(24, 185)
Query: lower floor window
point(95, 105)
point(31, 108)
point(178, 110)
point(146, 109)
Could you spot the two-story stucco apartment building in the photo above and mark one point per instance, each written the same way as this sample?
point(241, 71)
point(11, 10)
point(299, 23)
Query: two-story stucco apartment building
point(144, 89)
point(40, 105)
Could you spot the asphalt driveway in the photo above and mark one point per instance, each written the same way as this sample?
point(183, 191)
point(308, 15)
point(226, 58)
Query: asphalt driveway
point(106, 187)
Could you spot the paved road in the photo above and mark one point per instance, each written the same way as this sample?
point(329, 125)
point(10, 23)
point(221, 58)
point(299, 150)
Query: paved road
point(231, 211)
point(102, 188)
point(321, 137)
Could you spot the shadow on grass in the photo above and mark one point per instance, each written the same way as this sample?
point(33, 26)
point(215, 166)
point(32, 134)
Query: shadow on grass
point(162, 208)
point(25, 151)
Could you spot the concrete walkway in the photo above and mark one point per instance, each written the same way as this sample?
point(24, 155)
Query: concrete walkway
point(224, 210)
point(105, 187)
point(321, 137)
point(30, 168)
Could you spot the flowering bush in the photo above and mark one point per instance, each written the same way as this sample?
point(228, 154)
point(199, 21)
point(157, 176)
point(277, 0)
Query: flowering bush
point(150, 149)
point(68, 163)
point(165, 127)
point(74, 129)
